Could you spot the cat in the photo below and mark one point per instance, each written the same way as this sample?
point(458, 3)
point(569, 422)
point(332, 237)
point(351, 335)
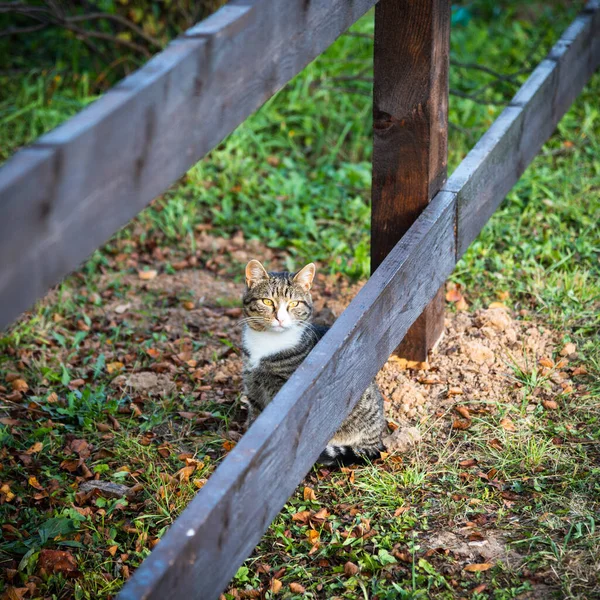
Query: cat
point(277, 336)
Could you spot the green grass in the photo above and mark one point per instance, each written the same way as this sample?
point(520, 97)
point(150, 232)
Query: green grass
point(296, 177)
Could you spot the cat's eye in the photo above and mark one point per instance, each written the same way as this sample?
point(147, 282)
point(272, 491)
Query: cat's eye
point(293, 304)
point(267, 302)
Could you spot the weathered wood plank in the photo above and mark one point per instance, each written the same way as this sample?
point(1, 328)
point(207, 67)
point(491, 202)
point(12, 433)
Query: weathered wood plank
point(410, 127)
point(98, 170)
point(498, 160)
point(220, 527)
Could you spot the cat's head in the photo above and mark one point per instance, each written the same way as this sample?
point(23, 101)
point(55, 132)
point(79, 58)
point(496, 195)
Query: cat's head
point(277, 301)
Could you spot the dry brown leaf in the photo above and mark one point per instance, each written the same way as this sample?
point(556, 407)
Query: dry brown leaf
point(546, 362)
point(52, 398)
point(112, 550)
point(568, 349)
point(297, 588)
point(228, 445)
point(35, 448)
point(76, 383)
point(147, 275)
point(183, 475)
point(497, 305)
point(461, 424)
point(401, 510)
point(321, 515)
point(507, 424)
point(463, 411)
point(549, 404)
point(189, 305)
point(496, 444)
point(312, 535)
point(19, 385)
point(470, 462)
point(276, 585)
point(301, 517)
point(113, 367)
point(350, 569)
point(453, 294)
point(455, 391)
point(33, 482)
point(57, 561)
point(462, 304)
point(580, 371)
point(309, 494)
point(476, 567)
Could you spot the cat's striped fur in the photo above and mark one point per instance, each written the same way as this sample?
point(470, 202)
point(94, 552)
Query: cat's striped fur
point(277, 336)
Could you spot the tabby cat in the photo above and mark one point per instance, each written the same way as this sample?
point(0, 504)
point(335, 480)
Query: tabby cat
point(276, 338)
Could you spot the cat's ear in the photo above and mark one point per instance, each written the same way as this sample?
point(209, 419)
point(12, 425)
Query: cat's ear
point(304, 277)
point(255, 272)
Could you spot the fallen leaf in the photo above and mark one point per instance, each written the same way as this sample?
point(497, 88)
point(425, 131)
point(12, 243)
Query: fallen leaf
point(453, 294)
point(112, 550)
point(5, 490)
point(276, 585)
point(546, 362)
point(13, 593)
point(496, 444)
point(470, 462)
point(57, 561)
point(568, 349)
point(52, 398)
point(76, 383)
point(497, 305)
point(580, 371)
point(183, 475)
point(463, 411)
point(108, 489)
point(401, 510)
point(37, 447)
point(507, 424)
point(189, 305)
point(309, 494)
point(113, 367)
point(476, 567)
point(33, 482)
point(312, 535)
point(19, 385)
point(455, 391)
point(301, 517)
point(321, 515)
point(297, 588)
point(462, 304)
point(350, 569)
point(228, 445)
point(147, 275)
point(461, 424)
point(549, 404)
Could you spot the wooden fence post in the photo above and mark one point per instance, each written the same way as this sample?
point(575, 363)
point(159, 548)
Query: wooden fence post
point(410, 121)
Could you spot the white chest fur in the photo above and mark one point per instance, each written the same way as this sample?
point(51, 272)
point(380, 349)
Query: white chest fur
point(259, 344)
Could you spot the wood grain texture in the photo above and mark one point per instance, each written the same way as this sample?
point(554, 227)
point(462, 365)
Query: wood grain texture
point(410, 114)
point(76, 186)
point(501, 156)
point(203, 549)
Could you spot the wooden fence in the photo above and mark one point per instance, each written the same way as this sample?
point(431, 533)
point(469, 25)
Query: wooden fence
point(71, 190)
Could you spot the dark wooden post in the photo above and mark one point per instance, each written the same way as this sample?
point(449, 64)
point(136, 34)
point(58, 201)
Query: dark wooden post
point(410, 120)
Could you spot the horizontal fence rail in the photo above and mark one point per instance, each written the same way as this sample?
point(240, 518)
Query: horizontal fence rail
point(218, 530)
point(65, 195)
